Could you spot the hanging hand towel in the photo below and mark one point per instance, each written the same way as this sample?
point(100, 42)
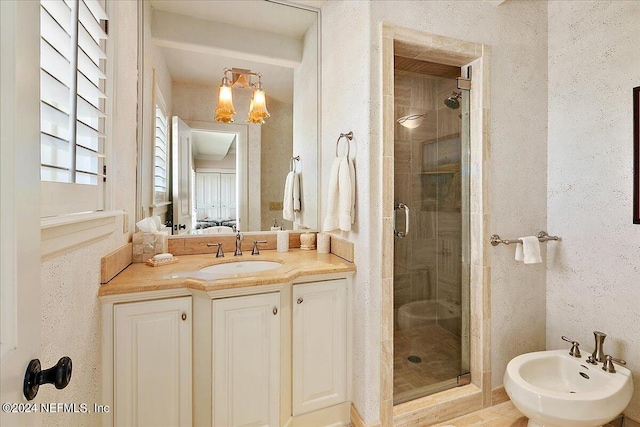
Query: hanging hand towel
point(529, 250)
point(287, 202)
point(352, 175)
point(331, 220)
point(345, 192)
point(297, 202)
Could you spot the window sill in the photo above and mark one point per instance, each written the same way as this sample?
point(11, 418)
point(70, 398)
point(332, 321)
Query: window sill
point(66, 232)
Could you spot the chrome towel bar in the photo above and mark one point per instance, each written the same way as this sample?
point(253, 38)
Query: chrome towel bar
point(542, 236)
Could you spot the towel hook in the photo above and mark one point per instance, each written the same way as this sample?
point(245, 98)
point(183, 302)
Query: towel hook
point(349, 137)
point(292, 163)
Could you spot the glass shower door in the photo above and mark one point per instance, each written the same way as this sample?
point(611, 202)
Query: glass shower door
point(431, 260)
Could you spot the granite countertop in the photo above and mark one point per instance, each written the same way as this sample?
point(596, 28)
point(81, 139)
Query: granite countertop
point(140, 277)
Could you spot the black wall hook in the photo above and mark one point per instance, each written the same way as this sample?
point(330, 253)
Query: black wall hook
point(34, 377)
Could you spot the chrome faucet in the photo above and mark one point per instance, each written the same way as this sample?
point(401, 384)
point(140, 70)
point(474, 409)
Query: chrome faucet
point(219, 254)
point(575, 347)
point(255, 250)
point(608, 364)
point(239, 238)
point(598, 354)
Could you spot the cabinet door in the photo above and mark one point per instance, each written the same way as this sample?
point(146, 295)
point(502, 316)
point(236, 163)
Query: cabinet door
point(246, 361)
point(152, 363)
point(319, 345)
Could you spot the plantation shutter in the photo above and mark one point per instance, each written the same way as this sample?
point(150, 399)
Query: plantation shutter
point(73, 105)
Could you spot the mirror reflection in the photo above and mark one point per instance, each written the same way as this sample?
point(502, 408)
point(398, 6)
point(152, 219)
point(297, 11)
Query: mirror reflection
point(207, 170)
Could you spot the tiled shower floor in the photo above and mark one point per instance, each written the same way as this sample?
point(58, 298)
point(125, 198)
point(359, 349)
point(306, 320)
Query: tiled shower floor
point(439, 350)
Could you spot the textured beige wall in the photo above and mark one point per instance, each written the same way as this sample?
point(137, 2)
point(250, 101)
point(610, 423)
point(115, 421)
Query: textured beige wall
point(517, 33)
point(276, 149)
point(346, 102)
point(306, 127)
point(70, 308)
point(593, 275)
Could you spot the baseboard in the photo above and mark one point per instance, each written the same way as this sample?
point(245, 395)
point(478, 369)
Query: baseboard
point(498, 395)
point(333, 416)
point(438, 408)
point(356, 419)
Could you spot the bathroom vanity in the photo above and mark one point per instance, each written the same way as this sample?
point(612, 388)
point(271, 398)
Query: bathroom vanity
point(272, 348)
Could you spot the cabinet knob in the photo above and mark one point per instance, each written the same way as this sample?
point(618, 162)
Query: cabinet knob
point(275, 310)
point(184, 316)
point(300, 300)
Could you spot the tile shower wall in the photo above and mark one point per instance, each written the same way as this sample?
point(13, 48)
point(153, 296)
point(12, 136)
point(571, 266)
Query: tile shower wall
point(427, 179)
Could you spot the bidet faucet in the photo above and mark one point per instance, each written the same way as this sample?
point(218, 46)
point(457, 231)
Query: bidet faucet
point(239, 238)
point(575, 347)
point(608, 364)
point(598, 354)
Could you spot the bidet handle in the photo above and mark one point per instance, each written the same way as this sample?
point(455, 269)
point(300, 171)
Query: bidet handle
point(575, 347)
point(608, 364)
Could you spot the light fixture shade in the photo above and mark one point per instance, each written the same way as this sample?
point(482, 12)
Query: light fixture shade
point(225, 110)
point(258, 108)
point(411, 121)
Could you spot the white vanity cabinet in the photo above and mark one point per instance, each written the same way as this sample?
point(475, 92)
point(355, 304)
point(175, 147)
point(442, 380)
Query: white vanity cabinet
point(152, 363)
point(268, 355)
point(319, 345)
point(246, 361)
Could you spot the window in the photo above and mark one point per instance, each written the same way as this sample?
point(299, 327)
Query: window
point(73, 87)
point(160, 149)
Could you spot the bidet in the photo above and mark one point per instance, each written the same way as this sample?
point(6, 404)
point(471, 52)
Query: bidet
point(554, 389)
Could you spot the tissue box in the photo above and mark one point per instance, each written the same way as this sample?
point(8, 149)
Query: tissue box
point(146, 245)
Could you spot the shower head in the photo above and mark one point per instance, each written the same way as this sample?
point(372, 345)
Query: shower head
point(452, 101)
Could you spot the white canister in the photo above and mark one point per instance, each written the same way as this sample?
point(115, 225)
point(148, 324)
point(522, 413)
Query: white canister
point(282, 244)
point(323, 242)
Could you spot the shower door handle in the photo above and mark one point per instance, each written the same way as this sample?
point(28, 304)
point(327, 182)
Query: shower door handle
point(406, 220)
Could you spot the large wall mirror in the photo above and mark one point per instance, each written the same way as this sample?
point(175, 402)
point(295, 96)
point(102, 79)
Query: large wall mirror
point(636, 155)
point(208, 176)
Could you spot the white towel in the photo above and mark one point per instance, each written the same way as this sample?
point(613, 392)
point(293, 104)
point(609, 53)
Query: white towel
point(297, 203)
point(529, 250)
point(331, 220)
point(287, 201)
point(341, 202)
point(352, 175)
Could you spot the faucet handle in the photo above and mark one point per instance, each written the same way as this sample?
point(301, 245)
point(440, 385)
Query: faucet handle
point(219, 253)
point(255, 250)
point(575, 347)
point(608, 364)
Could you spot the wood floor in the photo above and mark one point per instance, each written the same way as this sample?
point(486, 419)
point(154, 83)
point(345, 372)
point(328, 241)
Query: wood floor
point(502, 415)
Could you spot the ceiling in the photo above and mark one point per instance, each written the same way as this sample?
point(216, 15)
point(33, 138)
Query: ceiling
point(203, 69)
point(425, 67)
point(254, 14)
point(208, 145)
point(191, 65)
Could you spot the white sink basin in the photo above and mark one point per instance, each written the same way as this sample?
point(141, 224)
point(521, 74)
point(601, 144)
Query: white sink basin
point(239, 267)
point(554, 389)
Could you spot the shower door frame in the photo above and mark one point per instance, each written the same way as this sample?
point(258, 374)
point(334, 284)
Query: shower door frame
point(461, 400)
